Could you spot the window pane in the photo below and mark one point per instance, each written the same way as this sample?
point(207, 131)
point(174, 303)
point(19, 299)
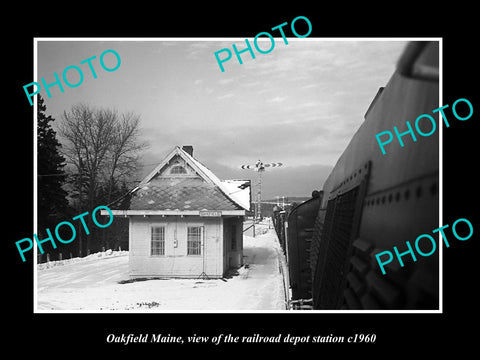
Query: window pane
point(194, 240)
point(178, 169)
point(158, 241)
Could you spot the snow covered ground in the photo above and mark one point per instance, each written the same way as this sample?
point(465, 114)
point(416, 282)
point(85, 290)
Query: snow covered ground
point(100, 283)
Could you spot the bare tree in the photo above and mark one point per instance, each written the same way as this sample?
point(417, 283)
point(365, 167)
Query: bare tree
point(123, 154)
point(102, 147)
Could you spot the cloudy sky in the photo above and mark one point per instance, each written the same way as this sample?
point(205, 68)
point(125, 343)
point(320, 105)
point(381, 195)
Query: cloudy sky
point(300, 104)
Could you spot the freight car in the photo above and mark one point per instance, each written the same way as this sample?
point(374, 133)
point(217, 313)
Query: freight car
point(298, 235)
point(373, 201)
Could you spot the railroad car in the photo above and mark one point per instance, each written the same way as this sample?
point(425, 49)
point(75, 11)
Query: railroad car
point(374, 201)
point(298, 236)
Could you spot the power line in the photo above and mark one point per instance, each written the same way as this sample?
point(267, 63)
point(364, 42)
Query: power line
point(64, 174)
point(44, 175)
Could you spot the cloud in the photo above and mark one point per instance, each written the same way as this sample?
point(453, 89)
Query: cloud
point(309, 86)
point(307, 104)
point(299, 104)
point(196, 49)
point(278, 181)
point(234, 144)
point(278, 99)
point(252, 84)
point(226, 81)
point(225, 96)
point(262, 91)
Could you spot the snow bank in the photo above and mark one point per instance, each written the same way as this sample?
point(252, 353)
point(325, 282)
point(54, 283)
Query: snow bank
point(88, 284)
point(99, 255)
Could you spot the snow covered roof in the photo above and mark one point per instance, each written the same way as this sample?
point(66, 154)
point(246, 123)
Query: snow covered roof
point(237, 190)
point(186, 194)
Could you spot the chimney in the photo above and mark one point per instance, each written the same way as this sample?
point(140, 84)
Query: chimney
point(188, 149)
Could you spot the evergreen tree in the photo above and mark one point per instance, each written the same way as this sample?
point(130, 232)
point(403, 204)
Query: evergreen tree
point(52, 201)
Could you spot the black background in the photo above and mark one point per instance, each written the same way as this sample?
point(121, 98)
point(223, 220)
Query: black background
point(397, 334)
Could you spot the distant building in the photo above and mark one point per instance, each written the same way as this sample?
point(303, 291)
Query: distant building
point(184, 221)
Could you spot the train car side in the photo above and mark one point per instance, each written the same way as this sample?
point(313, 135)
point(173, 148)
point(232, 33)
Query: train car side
point(298, 236)
point(373, 201)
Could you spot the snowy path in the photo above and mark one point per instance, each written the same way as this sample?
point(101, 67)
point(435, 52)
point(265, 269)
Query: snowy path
point(93, 285)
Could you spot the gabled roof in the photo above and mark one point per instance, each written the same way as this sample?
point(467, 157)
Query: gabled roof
point(157, 194)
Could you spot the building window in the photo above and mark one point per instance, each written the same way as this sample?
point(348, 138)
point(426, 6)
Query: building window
point(178, 169)
point(157, 241)
point(234, 238)
point(194, 240)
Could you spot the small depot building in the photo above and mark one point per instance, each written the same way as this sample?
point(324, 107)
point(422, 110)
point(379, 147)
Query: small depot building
point(184, 221)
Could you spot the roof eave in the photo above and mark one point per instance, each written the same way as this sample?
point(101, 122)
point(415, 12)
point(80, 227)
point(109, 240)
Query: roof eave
point(170, 212)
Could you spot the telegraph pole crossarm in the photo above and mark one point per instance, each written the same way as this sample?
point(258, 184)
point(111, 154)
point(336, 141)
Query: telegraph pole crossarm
point(259, 167)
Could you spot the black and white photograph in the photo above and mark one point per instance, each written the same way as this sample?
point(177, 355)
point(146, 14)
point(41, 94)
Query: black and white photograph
point(262, 187)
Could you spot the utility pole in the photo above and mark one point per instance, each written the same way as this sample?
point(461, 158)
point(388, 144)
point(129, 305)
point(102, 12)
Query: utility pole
point(260, 168)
